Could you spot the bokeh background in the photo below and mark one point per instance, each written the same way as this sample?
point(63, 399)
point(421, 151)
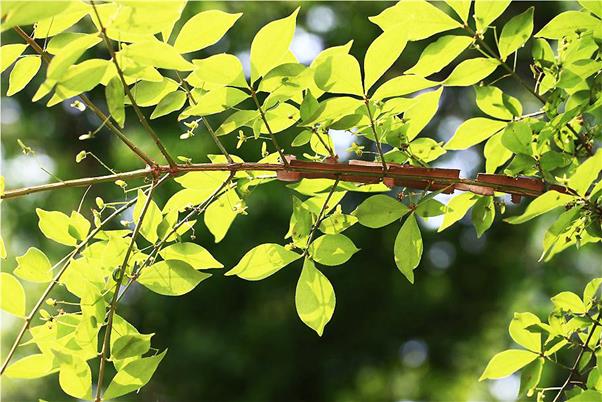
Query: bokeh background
point(231, 340)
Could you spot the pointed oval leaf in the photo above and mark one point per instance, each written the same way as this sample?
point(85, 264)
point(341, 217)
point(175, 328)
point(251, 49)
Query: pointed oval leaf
point(379, 210)
point(204, 29)
point(408, 247)
point(474, 131)
point(197, 256)
point(34, 266)
point(171, 278)
point(25, 69)
point(471, 71)
point(263, 261)
point(314, 297)
point(507, 362)
point(440, 54)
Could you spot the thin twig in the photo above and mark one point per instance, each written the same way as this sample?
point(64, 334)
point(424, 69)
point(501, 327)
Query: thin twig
point(320, 217)
point(376, 139)
point(126, 87)
point(267, 126)
point(118, 281)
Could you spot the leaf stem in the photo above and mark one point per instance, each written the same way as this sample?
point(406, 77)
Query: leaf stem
point(376, 139)
point(320, 217)
point(267, 125)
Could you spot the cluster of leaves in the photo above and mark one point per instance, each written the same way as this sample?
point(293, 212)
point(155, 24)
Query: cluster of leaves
point(555, 144)
point(574, 323)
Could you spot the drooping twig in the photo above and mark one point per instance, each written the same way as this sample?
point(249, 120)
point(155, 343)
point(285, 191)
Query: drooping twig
point(320, 217)
point(267, 126)
point(376, 139)
point(141, 118)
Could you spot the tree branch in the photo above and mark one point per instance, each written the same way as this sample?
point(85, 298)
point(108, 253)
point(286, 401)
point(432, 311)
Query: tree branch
point(139, 113)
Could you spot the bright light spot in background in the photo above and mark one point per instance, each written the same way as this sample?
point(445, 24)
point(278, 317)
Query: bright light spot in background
point(442, 254)
point(25, 170)
point(414, 353)
point(448, 127)
point(306, 46)
point(468, 161)
point(321, 19)
point(341, 140)
point(505, 389)
point(10, 111)
point(245, 60)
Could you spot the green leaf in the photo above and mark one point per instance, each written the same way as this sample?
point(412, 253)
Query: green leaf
point(517, 137)
point(483, 214)
point(300, 224)
point(530, 376)
point(79, 78)
point(26, 13)
point(337, 223)
point(152, 218)
point(519, 331)
point(426, 149)
point(569, 302)
point(515, 33)
point(487, 11)
point(222, 69)
point(408, 247)
point(474, 131)
point(279, 118)
point(457, 208)
point(198, 257)
point(208, 181)
point(25, 69)
point(495, 153)
point(170, 103)
point(270, 45)
point(440, 54)
point(339, 74)
point(34, 266)
point(56, 24)
point(133, 376)
point(424, 19)
point(567, 23)
point(215, 101)
point(586, 173)
point(507, 362)
point(263, 261)
point(495, 103)
point(61, 228)
point(332, 249)
point(421, 112)
point(382, 53)
point(593, 6)
point(204, 29)
point(379, 210)
point(149, 93)
point(460, 7)
point(115, 100)
point(75, 378)
point(171, 277)
point(402, 85)
point(12, 297)
point(10, 53)
point(221, 213)
point(546, 202)
point(68, 55)
point(471, 71)
point(157, 54)
point(314, 297)
point(32, 366)
point(130, 345)
point(235, 120)
point(587, 396)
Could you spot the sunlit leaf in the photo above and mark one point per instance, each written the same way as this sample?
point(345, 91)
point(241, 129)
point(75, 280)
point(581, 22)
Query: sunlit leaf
point(456, 209)
point(440, 54)
point(471, 71)
point(133, 376)
point(380, 210)
point(474, 131)
point(382, 53)
point(516, 32)
point(507, 362)
point(332, 249)
point(408, 247)
point(23, 71)
point(34, 266)
point(204, 29)
point(193, 254)
point(263, 261)
point(171, 277)
point(314, 297)
point(544, 203)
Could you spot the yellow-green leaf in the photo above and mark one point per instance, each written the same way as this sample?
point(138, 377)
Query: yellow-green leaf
point(332, 250)
point(408, 247)
point(27, 12)
point(402, 85)
point(568, 23)
point(32, 366)
point(171, 277)
point(133, 376)
point(193, 254)
point(544, 203)
point(34, 266)
point(507, 362)
point(215, 101)
point(270, 45)
point(114, 95)
point(456, 209)
point(586, 173)
point(339, 74)
point(471, 71)
point(382, 53)
point(314, 297)
point(75, 379)
point(440, 54)
point(263, 261)
point(487, 11)
point(204, 29)
point(474, 131)
point(223, 69)
point(12, 297)
point(157, 54)
point(380, 210)
point(515, 33)
point(10, 53)
point(169, 104)
point(460, 7)
point(25, 69)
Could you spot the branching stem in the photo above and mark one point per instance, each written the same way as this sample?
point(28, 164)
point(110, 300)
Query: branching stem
point(267, 126)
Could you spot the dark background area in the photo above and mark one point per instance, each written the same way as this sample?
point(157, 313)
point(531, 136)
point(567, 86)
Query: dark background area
point(232, 340)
